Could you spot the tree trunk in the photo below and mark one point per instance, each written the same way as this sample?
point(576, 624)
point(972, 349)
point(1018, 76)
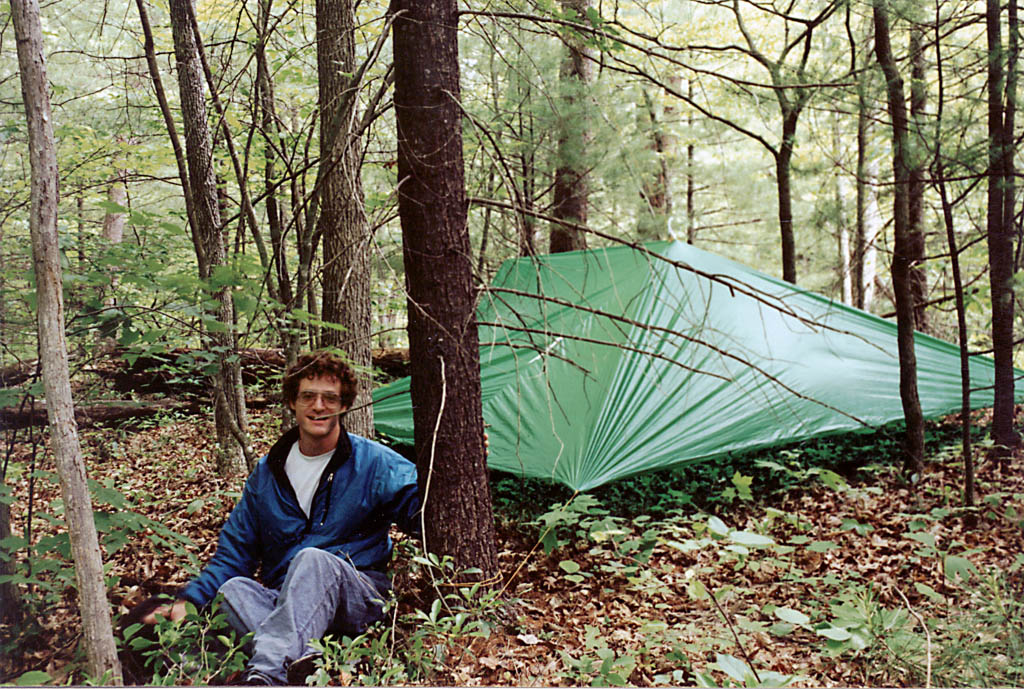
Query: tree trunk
point(113, 234)
point(872, 226)
point(1000, 225)
point(229, 401)
point(442, 332)
point(97, 632)
point(783, 167)
point(691, 171)
point(864, 187)
point(275, 215)
point(915, 211)
point(113, 220)
point(346, 248)
point(962, 338)
point(901, 260)
point(656, 192)
point(526, 222)
point(571, 193)
point(969, 496)
point(842, 190)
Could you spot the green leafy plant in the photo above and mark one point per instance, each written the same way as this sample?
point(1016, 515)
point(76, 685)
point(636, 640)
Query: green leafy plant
point(419, 646)
point(198, 649)
point(740, 674)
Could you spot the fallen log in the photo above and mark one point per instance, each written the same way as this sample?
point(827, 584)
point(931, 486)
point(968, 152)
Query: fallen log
point(103, 412)
point(106, 411)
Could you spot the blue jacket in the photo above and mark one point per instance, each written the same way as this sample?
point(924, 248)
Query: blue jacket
point(363, 490)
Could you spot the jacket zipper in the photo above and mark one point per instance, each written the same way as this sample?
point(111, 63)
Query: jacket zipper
point(327, 503)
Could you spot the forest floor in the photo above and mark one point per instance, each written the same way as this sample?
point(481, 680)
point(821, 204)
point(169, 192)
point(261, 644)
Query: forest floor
point(817, 565)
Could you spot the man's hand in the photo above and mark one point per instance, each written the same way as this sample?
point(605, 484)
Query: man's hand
point(174, 612)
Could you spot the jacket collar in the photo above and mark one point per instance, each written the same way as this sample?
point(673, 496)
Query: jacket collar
point(279, 453)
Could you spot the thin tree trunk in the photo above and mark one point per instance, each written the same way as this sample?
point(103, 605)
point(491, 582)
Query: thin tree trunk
point(842, 189)
point(958, 286)
point(783, 168)
point(113, 234)
point(901, 261)
point(442, 333)
point(572, 190)
point(860, 244)
point(97, 632)
point(872, 225)
point(342, 220)
point(657, 208)
point(915, 211)
point(526, 223)
point(235, 454)
point(275, 214)
point(691, 211)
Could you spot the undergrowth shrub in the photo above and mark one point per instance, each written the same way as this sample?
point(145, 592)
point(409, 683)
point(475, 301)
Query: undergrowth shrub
point(199, 649)
point(420, 646)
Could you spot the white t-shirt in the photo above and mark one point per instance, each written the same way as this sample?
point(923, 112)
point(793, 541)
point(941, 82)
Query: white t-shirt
point(304, 474)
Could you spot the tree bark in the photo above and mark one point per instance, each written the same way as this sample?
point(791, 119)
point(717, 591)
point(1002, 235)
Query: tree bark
point(871, 226)
point(901, 261)
point(691, 171)
point(915, 211)
point(969, 495)
point(572, 190)
point(235, 455)
point(999, 223)
point(783, 168)
point(842, 189)
point(449, 434)
point(860, 243)
point(97, 632)
point(113, 234)
point(343, 227)
point(275, 215)
point(656, 192)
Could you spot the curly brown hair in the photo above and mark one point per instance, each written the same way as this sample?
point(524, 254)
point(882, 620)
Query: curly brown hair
point(320, 363)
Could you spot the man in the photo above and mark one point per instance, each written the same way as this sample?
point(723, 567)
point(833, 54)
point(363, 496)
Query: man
point(314, 517)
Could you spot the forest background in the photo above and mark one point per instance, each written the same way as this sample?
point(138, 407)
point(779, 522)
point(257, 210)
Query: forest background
point(768, 133)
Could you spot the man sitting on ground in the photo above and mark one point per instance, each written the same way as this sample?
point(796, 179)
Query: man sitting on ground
point(314, 517)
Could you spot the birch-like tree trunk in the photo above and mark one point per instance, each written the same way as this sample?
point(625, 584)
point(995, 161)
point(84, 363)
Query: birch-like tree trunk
point(870, 231)
point(113, 234)
point(572, 191)
point(920, 129)
point(842, 189)
point(97, 631)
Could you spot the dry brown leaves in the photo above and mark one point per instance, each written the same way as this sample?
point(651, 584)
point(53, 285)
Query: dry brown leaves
point(169, 474)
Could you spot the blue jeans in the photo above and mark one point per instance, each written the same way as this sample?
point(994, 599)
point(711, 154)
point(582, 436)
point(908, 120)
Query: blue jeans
point(320, 593)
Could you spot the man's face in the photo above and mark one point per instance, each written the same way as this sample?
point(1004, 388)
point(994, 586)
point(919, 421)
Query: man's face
point(317, 409)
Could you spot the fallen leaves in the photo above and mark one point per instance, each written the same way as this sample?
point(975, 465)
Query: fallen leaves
point(656, 612)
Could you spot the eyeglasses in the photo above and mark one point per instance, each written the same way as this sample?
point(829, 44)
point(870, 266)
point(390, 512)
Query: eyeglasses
point(308, 397)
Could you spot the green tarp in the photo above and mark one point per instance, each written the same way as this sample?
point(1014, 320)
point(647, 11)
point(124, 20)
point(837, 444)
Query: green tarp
point(600, 364)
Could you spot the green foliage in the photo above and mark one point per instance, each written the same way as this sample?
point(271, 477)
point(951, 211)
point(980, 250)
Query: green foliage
point(199, 649)
point(45, 568)
point(740, 674)
point(416, 647)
